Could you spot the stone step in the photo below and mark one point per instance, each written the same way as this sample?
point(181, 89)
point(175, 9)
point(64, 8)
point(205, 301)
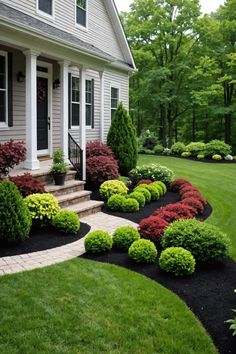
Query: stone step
point(86, 208)
point(47, 178)
point(70, 186)
point(73, 198)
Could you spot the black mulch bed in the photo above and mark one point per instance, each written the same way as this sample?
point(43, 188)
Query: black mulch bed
point(43, 239)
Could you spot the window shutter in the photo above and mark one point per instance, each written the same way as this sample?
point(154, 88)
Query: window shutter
point(10, 91)
point(92, 123)
point(69, 100)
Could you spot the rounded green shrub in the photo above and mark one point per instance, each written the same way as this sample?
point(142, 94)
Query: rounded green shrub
point(158, 149)
point(15, 218)
point(124, 236)
point(154, 191)
point(177, 260)
point(116, 202)
point(178, 148)
point(43, 207)
point(200, 156)
point(166, 152)
point(196, 148)
point(162, 185)
point(66, 221)
point(145, 192)
point(154, 172)
point(186, 154)
point(130, 205)
point(109, 188)
point(143, 251)
point(217, 147)
point(206, 242)
point(97, 241)
point(216, 157)
point(139, 197)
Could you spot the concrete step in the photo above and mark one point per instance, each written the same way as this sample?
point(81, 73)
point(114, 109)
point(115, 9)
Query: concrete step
point(86, 208)
point(73, 198)
point(70, 186)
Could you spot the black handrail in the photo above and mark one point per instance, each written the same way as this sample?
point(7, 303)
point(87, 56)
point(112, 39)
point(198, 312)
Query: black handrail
point(75, 154)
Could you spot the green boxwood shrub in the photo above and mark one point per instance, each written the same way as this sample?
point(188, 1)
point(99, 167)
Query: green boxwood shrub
point(97, 241)
point(162, 185)
point(196, 148)
point(116, 202)
point(15, 217)
point(201, 156)
point(178, 148)
point(66, 221)
point(166, 152)
point(130, 206)
point(186, 154)
point(217, 147)
point(177, 260)
point(143, 251)
point(124, 236)
point(206, 242)
point(139, 197)
point(217, 157)
point(108, 188)
point(154, 191)
point(158, 149)
point(145, 192)
point(154, 172)
point(43, 207)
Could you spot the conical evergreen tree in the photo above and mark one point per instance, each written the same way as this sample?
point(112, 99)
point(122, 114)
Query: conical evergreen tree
point(122, 140)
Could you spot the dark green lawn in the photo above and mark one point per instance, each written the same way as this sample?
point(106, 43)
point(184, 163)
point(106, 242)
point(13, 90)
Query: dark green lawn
point(217, 183)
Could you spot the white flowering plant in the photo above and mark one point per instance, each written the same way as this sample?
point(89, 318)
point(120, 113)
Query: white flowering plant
point(154, 172)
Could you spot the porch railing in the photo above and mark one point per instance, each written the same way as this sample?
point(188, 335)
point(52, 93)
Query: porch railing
point(75, 154)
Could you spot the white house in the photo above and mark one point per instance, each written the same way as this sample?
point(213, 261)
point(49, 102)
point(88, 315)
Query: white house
point(64, 66)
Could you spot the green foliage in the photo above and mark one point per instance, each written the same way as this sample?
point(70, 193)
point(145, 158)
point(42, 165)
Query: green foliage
point(177, 260)
point(158, 149)
point(206, 242)
point(148, 140)
point(122, 139)
point(116, 202)
point(143, 251)
point(200, 156)
point(166, 152)
point(196, 148)
point(139, 197)
point(124, 236)
point(154, 172)
point(186, 154)
point(162, 185)
point(178, 148)
point(154, 191)
point(130, 205)
point(43, 207)
point(66, 221)
point(14, 214)
point(216, 157)
point(217, 147)
point(108, 188)
point(97, 241)
point(145, 193)
point(59, 166)
point(232, 323)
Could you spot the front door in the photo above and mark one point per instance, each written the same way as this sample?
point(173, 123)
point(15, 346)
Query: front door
point(42, 116)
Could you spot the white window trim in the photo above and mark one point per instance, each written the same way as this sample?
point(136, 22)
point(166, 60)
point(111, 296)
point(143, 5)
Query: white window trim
point(77, 25)
point(73, 127)
point(93, 98)
point(116, 86)
point(44, 14)
point(4, 125)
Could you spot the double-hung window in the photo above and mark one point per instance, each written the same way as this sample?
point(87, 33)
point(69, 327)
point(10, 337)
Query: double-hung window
point(81, 12)
point(114, 100)
point(3, 89)
point(75, 101)
point(46, 7)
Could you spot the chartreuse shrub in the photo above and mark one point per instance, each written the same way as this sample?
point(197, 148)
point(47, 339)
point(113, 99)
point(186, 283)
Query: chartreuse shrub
point(66, 221)
point(178, 148)
point(97, 241)
point(130, 205)
point(162, 185)
point(154, 191)
point(216, 157)
point(177, 260)
point(217, 147)
point(108, 188)
point(15, 218)
point(143, 251)
point(154, 172)
point(116, 202)
point(139, 197)
point(196, 148)
point(145, 192)
point(206, 242)
point(124, 236)
point(186, 154)
point(43, 207)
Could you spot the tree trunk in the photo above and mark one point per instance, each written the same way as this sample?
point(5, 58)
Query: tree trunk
point(228, 128)
point(193, 124)
point(163, 125)
point(170, 128)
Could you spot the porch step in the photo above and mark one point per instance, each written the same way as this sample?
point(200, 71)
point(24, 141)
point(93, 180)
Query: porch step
point(47, 178)
point(86, 208)
point(73, 198)
point(70, 186)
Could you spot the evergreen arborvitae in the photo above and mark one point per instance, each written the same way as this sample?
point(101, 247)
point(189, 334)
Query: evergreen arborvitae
point(122, 140)
point(15, 218)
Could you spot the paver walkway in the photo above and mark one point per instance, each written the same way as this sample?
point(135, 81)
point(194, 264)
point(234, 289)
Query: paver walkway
point(29, 261)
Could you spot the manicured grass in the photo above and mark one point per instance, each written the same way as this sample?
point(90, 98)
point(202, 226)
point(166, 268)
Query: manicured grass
point(217, 183)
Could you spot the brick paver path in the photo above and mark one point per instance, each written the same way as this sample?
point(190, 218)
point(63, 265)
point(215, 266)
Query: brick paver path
point(19, 263)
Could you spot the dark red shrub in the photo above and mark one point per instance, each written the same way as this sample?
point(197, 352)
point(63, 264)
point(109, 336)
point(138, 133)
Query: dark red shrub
point(144, 181)
point(28, 184)
point(168, 215)
point(195, 195)
point(195, 203)
point(152, 228)
point(11, 154)
point(187, 189)
point(183, 211)
point(178, 183)
point(96, 148)
point(101, 168)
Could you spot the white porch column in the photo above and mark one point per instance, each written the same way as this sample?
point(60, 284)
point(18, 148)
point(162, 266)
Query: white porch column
point(64, 71)
point(31, 162)
point(83, 118)
point(102, 135)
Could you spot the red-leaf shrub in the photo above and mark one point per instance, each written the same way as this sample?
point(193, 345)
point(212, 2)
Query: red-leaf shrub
point(183, 211)
point(96, 148)
point(195, 203)
point(187, 189)
point(178, 183)
point(28, 184)
point(152, 228)
point(195, 195)
point(167, 215)
point(101, 168)
point(11, 154)
point(144, 181)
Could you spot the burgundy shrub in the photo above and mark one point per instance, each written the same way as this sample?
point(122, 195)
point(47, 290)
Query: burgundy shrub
point(11, 154)
point(178, 183)
point(187, 189)
point(167, 215)
point(195, 195)
point(97, 148)
point(28, 184)
point(183, 211)
point(144, 181)
point(101, 168)
point(195, 203)
point(152, 228)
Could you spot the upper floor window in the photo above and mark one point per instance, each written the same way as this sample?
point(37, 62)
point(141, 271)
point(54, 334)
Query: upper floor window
point(81, 12)
point(114, 100)
point(46, 6)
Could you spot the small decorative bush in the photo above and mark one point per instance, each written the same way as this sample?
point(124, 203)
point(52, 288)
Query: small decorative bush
point(167, 215)
point(154, 191)
point(177, 260)
point(124, 236)
point(108, 188)
point(186, 189)
point(139, 197)
point(43, 207)
point(11, 154)
point(148, 140)
point(59, 165)
point(152, 228)
point(101, 169)
point(162, 185)
point(144, 181)
point(66, 221)
point(97, 241)
point(158, 149)
point(116, 202)
point(182, 211)
point(216, 157)
point(195, 195)
point(97, 148)
point(154, 172)
point(130, 205)
point(229, 158)
point(28, 184)
point(178, 148)
point(217, 147)
point(195, 203)
point(145, 192)
point(143, 251)
point(201, 156)
point(186, 154)
point(178, 183)
point(15, 217)
point(196, 148)
point(206, 242)
point(166, 152)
